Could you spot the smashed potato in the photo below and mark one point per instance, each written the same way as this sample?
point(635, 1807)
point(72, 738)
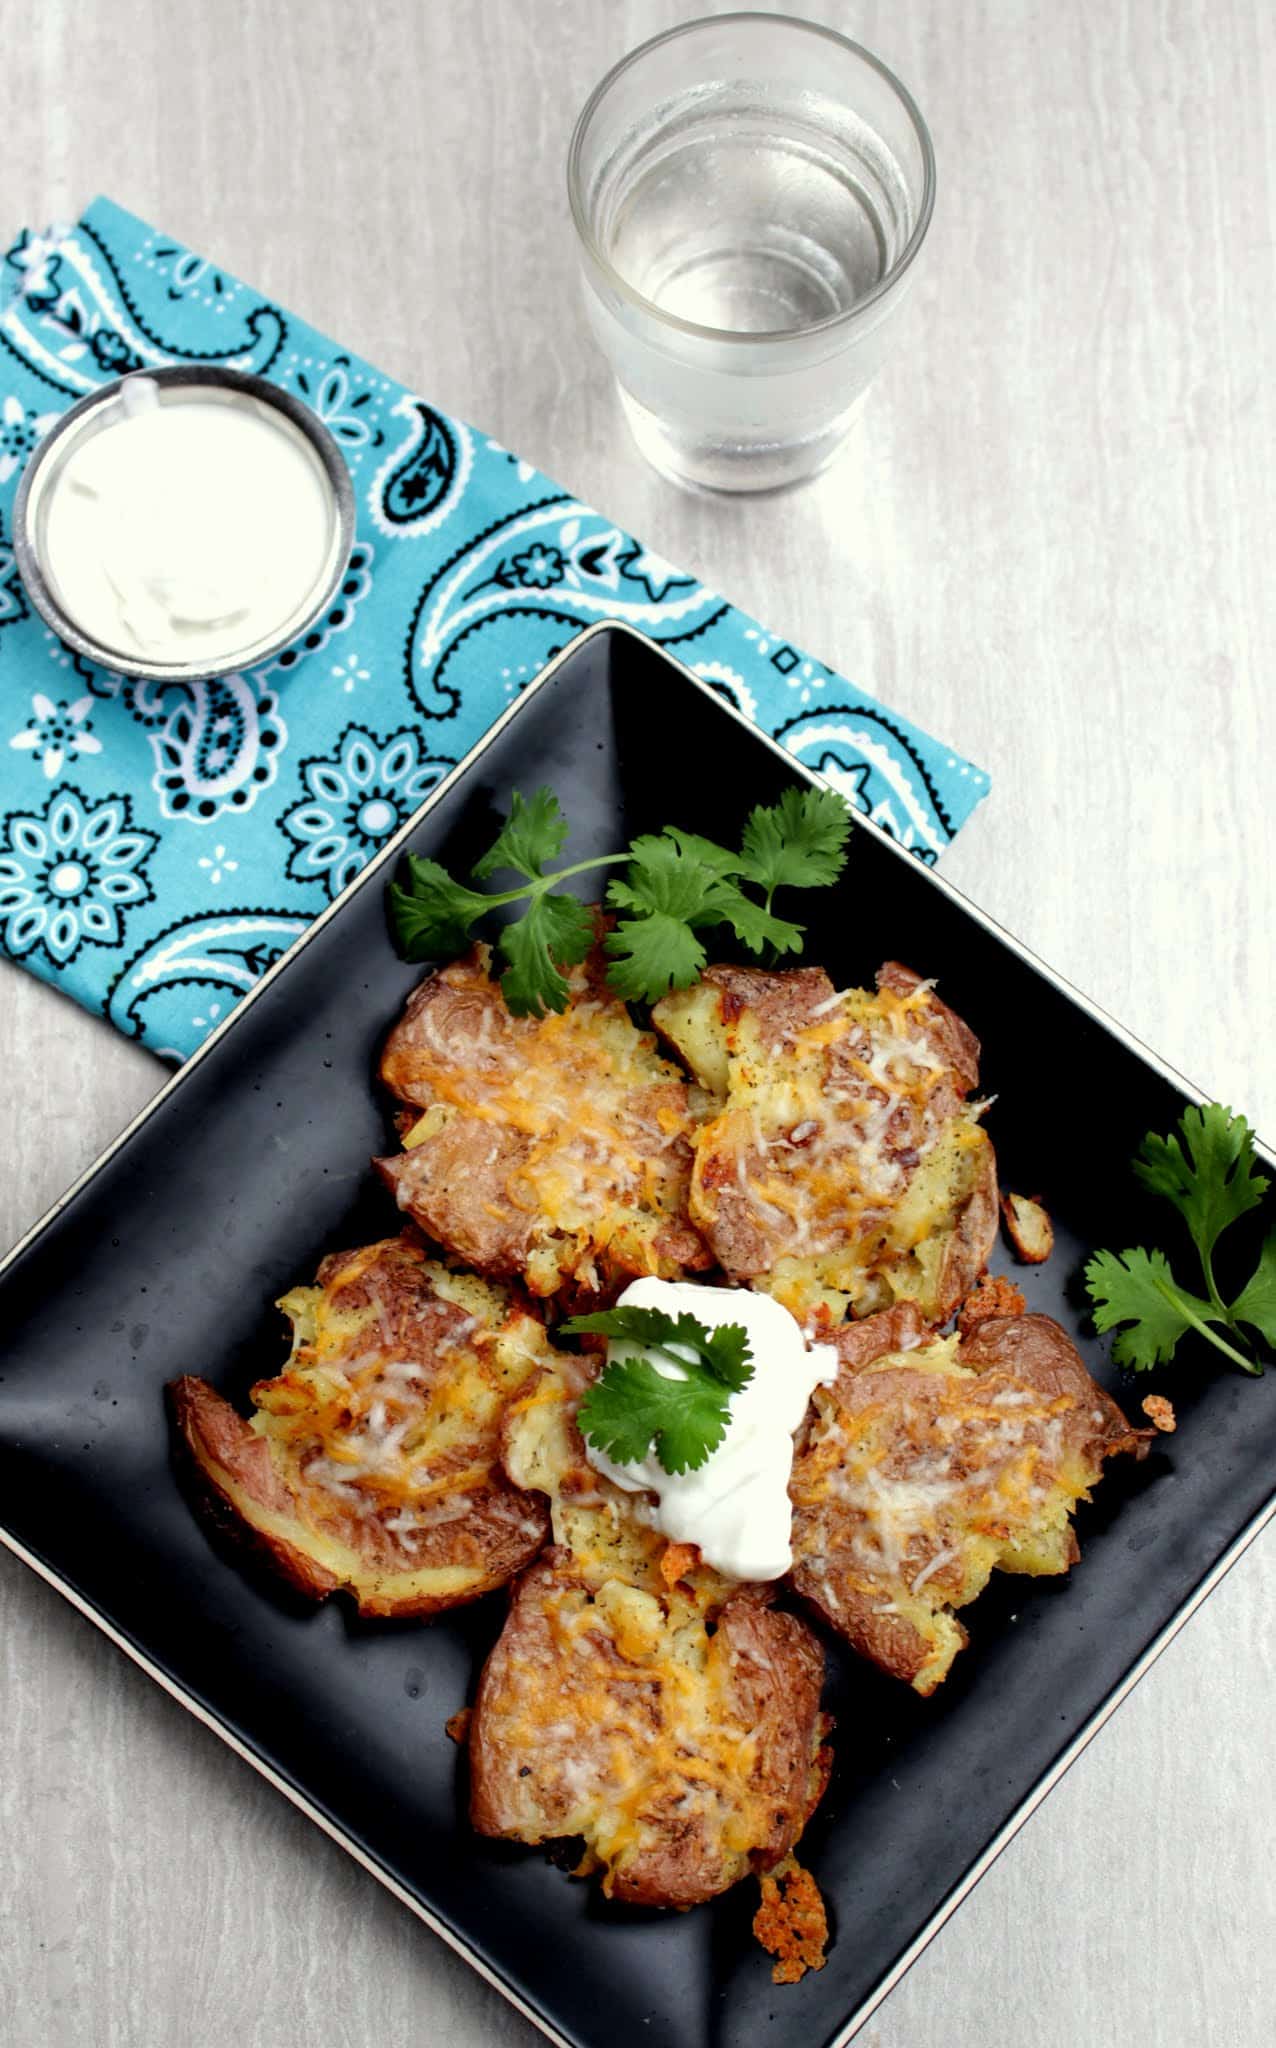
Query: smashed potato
point(555, 1150)
point(673, 1724)
point(371, 1465)
point(930, 1462)
point(845, 1168)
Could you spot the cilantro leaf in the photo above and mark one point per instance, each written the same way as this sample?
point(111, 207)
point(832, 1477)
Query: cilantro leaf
point(631, 1406)
point(556, 932)
point(719, 860)
point(533, 833)
point(800, 842)
point(1211, 1175)
point(1208, 1169)
point(651, 955)
point(676, 885)
point(722, 1348)
point(755, 927)
point(431, 918)
point(667, 875)
point(1137, 1289)
point(667, 887)
point(1256, 1303)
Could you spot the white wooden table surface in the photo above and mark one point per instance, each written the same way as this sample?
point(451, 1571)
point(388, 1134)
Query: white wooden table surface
point(1053, 545)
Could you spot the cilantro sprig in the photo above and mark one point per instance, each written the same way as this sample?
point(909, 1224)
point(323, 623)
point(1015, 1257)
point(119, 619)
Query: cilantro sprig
point(1209, 1170)
point(676, 885)
point(633, 1405)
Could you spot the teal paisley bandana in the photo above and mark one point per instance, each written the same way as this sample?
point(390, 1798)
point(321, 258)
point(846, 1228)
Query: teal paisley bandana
point(161, 843)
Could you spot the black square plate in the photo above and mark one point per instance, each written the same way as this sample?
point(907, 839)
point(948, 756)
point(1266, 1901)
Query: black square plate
point(253, 1162)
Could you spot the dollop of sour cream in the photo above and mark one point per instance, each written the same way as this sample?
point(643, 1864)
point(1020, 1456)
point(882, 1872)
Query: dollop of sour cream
point(188, 530)
point(736, 1506)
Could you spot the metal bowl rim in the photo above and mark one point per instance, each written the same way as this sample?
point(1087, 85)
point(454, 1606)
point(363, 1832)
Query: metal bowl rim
point(255, 655)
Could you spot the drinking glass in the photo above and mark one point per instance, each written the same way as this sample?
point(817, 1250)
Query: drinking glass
point(750, 193)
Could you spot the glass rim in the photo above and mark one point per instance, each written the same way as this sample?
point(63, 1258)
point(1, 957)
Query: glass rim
point(847, 315)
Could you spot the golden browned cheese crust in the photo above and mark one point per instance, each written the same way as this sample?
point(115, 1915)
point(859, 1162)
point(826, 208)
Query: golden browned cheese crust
point(372, 1463)
point(932, 1461)
point(551, 1149)
point(635, 1698)
point(845, 1168)
point(683, 1759)
point(791, 1922)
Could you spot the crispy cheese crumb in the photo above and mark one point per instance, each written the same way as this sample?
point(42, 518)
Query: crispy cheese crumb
point(458, 1724)
point(1160, 1413)
point(791, 1922)
point(993, 1296)
point(678, 1559)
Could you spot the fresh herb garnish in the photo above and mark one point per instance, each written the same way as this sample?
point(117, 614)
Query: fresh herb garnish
point(676, 885)
point(1209, 1171)
point(632, 1406)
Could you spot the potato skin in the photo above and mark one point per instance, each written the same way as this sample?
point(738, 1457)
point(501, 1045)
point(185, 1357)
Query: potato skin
point(380, 1349)
point(1029, 1228)
point(212, 1440)
point(973, 1235)
point(454, 1188)
point(845, 1168)
point(953, 1037)
point(574, 1735)
point(901, 1328)
point(928, 1464)
point(637, 1698)
point(552, 1150)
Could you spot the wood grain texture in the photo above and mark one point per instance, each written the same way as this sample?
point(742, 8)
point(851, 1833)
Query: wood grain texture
point(1051, 542)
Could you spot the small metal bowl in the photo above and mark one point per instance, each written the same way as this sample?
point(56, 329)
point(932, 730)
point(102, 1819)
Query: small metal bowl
point(101, 409)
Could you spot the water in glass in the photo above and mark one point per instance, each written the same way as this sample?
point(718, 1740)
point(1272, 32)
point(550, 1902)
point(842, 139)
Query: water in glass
point(750, 192)
point(756, 219)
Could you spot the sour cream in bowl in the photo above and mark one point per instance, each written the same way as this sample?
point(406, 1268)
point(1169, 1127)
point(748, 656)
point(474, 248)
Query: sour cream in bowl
point(184, 522)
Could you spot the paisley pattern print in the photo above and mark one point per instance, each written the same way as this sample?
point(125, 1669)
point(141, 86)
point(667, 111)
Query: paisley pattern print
point(78, 313)
point(350, 414)
point(355, 587)
point(415, 490)
point(218, 749)
point(526, 584)
point(226, 950)
point(215, 744)
point(470, 570)
point(13, 603)
point(872, 760)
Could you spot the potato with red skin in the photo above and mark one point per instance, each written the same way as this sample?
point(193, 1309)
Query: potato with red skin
point(669, 1716)
point(845, 1168)
point(372, 1463)
point(454, 1189)
point(948, 1032)
point(552, 1150)
point(932, 1461)
point(683, 1759)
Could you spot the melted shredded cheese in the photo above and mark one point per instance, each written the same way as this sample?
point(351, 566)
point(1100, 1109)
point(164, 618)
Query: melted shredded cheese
point(923, 1477)
point(384, 1422)
point(646, 1731)
point(603, 1163)
point(843, 1151)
